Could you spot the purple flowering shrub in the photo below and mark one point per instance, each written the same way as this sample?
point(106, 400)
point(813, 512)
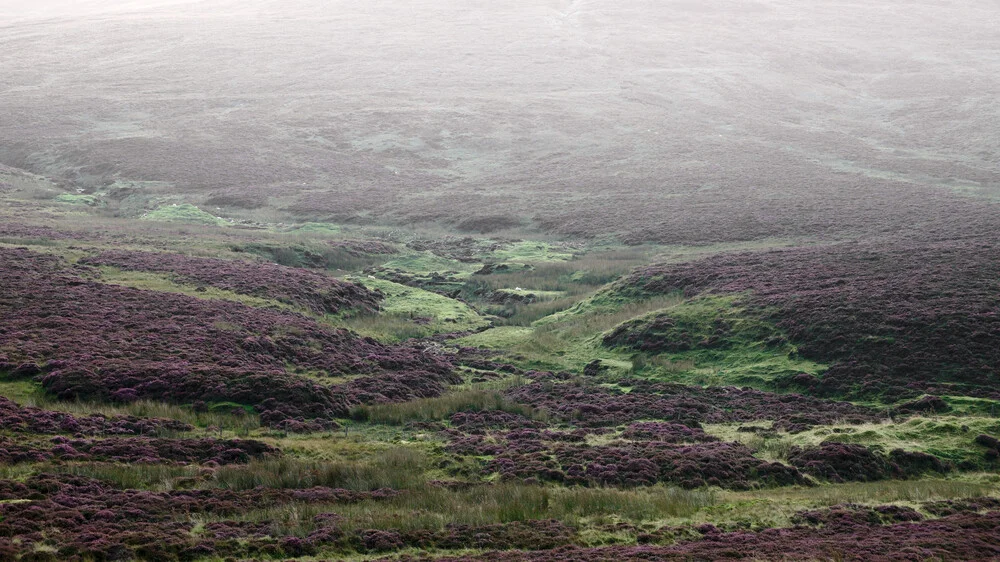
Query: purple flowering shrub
point(842, 462)
point(964, 536)
point(849, 515)
point(481, 422)
point(88, 340)
point(689, 459)
point(360, 248)
point(136, 450)
point(897, 319)
point(311, 290)
point(950, 507)
point(87, 519)
point(26, 231)
point(992, 446)
point(28, 419)
point(594, 406)
point(666, 433)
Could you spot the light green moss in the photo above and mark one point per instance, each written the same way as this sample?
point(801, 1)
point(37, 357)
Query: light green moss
point(183, 212)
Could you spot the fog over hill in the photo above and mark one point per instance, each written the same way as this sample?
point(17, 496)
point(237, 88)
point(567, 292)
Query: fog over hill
point(660, 120)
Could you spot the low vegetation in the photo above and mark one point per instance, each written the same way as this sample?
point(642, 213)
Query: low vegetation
point(212, 396)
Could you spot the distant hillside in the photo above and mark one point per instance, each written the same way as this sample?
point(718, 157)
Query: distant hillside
point(660, 121)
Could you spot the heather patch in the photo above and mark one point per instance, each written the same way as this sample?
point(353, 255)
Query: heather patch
point(956, 537)
point(308, 290)
point(591, 405)
point(135, 450)
point(895, 320)
point(17, 419)
point(88, 340)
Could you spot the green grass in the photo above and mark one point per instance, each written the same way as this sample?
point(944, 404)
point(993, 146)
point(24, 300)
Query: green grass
point(529, 252)
point(725, 343)
point(583, 274)
point(157, 477)
point(30, 393)
point(399, 468)
point(24, 392)
point(947, 437)
point(759, 509)
point(319, 228)
point(427, 262)
point(499, 338)
point(873, 493)
point(163, 282)
point(183, 212)
point(566, 341)
point(565, 281)
point(75, 199)
point(968, 405)
point(441, 408)
point(435, 508)
point(540, 295)
point(751, 351)
point(409, 312)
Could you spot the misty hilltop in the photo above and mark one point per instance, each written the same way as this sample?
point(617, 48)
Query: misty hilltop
point(729, 122)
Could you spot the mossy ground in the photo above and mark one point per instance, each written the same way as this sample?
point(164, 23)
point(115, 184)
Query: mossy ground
point(947, 437)
point(316, 229)
point(77, 199)
point(751, 352)
point(427, 262)
point(185, 213)
point(530, 252)
point(410, 312)
point(165, 283)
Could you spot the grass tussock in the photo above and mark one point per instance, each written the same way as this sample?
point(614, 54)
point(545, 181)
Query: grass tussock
point(222, 421)
point(886, 491)
point(138, 476)
point(442, 407)
point(949, 438)
point(577, 275)
point(435, 508)
point(587, 320)
point(573, 279)
point(869, 493)
point(398, 468)
point(410, 312)
point(391, 327)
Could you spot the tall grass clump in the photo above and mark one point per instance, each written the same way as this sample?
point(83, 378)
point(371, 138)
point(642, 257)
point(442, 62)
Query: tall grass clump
point(241, 425)
point(903, 490)
point(640, 504)
point(387, 327)
point(435, 508)
point(644, 361)
point(581, 274)
point(398, 468)
point(593, 318)
point(442, 407)
point(138, 476)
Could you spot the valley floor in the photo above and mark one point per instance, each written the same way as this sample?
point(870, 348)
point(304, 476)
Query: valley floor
point(183, 388)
